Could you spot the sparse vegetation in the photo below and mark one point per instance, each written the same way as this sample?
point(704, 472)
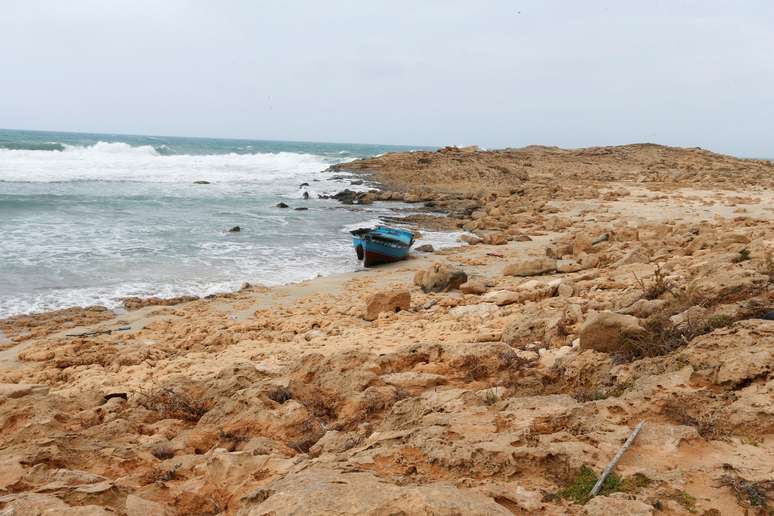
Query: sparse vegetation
point(768, 265)
point(280, 394)
point(743, 256)
point(163, 453)
point(658, 287)
point(174, 404)
point(686, 500)
point(491, 397)
point(751, 495)
point(580, 487)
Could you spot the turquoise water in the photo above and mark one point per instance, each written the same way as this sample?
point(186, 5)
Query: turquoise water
point(92, 218)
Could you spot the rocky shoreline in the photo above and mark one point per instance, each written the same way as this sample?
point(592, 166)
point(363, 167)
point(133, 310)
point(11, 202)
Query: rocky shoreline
point(597, 288)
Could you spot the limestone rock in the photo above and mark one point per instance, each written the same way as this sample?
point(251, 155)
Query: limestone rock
point(728, 281)
point(480, 310)
point(501, 297)
point(318, 490)
point(412, 380)
point(470, 239)
point(495, 239)
point(136, 506)
point(440, 278)
point(387, 301)
point(473, 287)
point(607, 505)
point(19, 390)
point(530, 267)
point(644, 307)
point(608, 331)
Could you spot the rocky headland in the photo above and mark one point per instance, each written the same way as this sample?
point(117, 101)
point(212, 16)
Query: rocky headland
point(594, 289)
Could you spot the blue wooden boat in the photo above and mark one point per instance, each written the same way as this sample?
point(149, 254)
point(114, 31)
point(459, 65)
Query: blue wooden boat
point(381, 244)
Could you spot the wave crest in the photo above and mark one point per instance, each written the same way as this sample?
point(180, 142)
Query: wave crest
point(118, 161)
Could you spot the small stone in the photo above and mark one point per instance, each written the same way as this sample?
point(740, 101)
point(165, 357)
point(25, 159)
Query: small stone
point(426, 248)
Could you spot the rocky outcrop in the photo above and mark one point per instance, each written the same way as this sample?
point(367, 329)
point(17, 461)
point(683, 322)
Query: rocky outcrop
point(318, 490)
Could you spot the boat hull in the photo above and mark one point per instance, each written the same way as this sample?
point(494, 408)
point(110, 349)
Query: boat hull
point(381, 244)
point(377, 253)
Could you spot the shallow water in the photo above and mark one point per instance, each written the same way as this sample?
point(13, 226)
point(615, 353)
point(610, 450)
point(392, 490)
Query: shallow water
point(90, 219)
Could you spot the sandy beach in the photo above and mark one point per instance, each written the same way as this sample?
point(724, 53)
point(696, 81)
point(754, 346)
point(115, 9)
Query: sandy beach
point(596, 288)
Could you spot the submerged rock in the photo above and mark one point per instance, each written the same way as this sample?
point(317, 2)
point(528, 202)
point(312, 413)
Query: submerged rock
point(235, 229)
point(281, 205)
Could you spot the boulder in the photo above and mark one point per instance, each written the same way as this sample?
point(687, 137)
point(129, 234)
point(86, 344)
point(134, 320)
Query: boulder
point(495, 239)
point(470, 239)
point(473, 287)
point(530, 267)
point(440, 278)
point(235, 229)
point(426, 248)
point(280, 205)
point(607, 332)
point(387, 301)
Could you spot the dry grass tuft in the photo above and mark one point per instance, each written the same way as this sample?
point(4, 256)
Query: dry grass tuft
point(751, 495)
point(174, 404)
point(660, 285)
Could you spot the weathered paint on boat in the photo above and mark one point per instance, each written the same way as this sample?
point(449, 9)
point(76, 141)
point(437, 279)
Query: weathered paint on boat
point(382, 244)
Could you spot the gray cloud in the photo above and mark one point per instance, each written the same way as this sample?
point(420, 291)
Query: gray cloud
point(496, 73)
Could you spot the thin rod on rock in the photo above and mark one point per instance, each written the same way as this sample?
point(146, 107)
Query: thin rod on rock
point(611, 465)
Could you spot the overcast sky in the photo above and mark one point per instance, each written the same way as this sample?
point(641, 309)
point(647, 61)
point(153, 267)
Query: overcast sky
point(434, 72)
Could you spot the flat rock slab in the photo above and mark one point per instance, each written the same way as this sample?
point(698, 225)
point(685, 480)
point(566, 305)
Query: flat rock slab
point(19, 390)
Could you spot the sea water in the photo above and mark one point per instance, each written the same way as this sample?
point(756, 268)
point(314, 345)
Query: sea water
point(89, 219)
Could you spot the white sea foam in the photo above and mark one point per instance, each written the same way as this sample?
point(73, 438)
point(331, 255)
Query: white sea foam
point(118, 161)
